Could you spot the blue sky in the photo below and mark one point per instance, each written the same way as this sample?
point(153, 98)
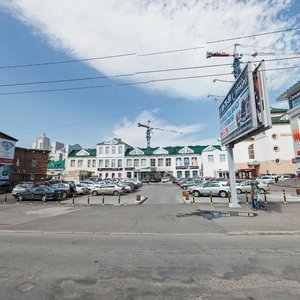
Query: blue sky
point(59, 30)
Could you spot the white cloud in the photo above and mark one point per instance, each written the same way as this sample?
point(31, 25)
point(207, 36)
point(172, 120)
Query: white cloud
point(98, 28)
point(136, 136)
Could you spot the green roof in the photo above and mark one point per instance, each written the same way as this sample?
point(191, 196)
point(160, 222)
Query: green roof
point(174, 149)
point(59, 164)
point(278, 110)
point(90, 153)
point(280, 120)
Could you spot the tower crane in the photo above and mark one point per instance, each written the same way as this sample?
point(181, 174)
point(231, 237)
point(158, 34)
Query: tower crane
point(150, 129)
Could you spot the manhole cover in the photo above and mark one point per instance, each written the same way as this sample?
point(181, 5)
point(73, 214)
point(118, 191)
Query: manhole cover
point(210, 214)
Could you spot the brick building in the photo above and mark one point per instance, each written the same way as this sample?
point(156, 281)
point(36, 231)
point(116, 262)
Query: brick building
point(30, 165)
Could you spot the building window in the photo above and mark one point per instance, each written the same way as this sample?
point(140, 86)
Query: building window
point(113, 163)
point(168, 162)
point(251, 151)
point(152, 162)
point(79, 163)
point(33, 163)
point(178, 162)
point(94, 163)
point(128, 163)
point(72, 164)
point(136, 163)
point(276, 148)
point(100, 150)
point(143, 162)
point(113, 150)
point(210, 158)
point(119, 163)
point(186, 162)
point(222, 157)
point(274, 136)
point(18, 162)
point(194, 161)
point(107, 163)
point(179, 174)
point(100, 163)
point(107, 150)
point(89, 163)
point(195, 174)
point(277, 161)
point(120, 149)
point(128, 174)
point(187, 174)
point(160, 162)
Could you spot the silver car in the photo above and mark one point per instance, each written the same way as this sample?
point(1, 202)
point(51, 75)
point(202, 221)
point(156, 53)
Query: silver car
point(108, 189)
point(216, 188)
point(23, 187)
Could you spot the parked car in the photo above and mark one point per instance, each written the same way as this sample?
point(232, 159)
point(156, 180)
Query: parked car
point(165, 179)
point(190, 183)
point(245, 186)
point(38, 193)
point(266, 179)
point(81, 189)
point(145, 180)
point(107, 189)
point(23, 187)
point(65, 189)
point(217, 188)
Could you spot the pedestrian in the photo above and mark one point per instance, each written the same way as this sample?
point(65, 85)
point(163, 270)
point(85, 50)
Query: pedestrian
point(259, 202)
point(255, 192)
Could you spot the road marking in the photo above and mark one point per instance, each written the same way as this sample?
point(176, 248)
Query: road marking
point(51, 211)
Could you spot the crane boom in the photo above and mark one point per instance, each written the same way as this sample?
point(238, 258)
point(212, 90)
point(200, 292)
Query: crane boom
point(150, 129)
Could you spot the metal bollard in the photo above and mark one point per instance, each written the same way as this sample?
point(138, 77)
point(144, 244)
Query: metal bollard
point(73, 200)
point(46, 198)
point(5, 199)
point(59, 195)
point(88, 201)
point(194, 199)
point(247, 200)
point(31, 199)
point(229, 197)
point(265, 197)
point(18, 200)
point(103, 199)
point(210, 196)
point(284, 197)
point(119, 199)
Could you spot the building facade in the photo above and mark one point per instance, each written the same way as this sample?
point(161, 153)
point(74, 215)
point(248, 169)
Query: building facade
point(42, 143)
point(80, 164)
point(292, 95)
point(30, 165)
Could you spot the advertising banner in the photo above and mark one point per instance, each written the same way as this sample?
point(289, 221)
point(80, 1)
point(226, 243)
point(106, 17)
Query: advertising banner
point(236, 111)
point(245, 110)
point(5, 172)
point(7, 151)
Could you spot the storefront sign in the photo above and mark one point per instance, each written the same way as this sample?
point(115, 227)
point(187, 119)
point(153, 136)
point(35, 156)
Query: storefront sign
point(7, 151)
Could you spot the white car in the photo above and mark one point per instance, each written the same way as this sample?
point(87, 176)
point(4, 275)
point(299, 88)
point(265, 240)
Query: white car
point(21, 188)
point(165, 179)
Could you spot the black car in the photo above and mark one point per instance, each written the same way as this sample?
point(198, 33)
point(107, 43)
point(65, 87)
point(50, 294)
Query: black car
point(38, 193)
point(65, 189)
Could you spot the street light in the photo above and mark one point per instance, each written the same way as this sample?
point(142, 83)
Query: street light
point(229, 81)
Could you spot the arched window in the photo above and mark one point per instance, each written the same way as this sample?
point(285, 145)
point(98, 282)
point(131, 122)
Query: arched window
point(251, 151)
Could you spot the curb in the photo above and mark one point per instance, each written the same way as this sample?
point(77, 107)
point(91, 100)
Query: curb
point(253, 233)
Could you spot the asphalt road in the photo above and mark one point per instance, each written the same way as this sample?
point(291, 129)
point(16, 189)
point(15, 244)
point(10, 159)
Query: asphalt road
point(157, 250)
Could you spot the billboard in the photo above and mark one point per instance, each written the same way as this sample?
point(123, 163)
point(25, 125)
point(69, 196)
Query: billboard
point(245, 110)
point(7, 151)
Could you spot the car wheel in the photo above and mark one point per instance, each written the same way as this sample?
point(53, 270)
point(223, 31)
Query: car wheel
point(64, 195)
point(196, 193)
point(94, 193)
point(116, 193)
point(239, 191)
point(223, 194)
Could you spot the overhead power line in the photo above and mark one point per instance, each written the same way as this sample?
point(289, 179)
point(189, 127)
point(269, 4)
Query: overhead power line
point(129, 83)
point(146, 54)
point(133, 74)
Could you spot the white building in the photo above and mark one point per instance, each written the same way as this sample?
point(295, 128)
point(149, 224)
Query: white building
point(116, 159)
point(292, 95)
point(42, 143)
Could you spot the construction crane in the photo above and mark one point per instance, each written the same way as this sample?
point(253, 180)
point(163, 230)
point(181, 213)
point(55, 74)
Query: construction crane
point(150, 129)
point(236, 65)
